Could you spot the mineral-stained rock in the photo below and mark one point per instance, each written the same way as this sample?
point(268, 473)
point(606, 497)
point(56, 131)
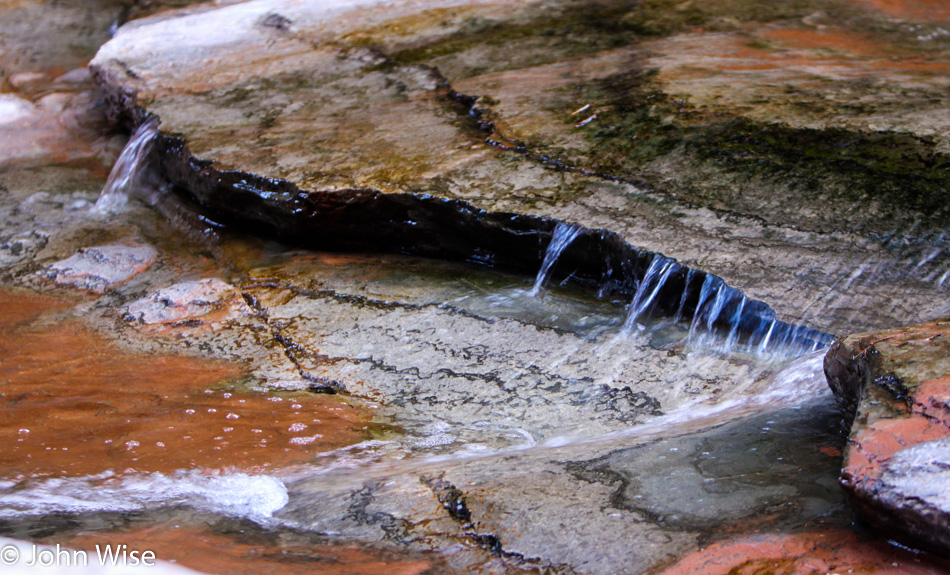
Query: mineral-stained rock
point(189, 303)
point(101, 268)
point(895, 386)
point(826, 551)
point(423, 127)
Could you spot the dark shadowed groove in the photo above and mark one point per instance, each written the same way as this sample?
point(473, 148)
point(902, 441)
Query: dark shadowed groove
point(425, 225)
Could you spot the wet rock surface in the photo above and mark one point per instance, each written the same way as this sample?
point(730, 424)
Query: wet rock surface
point(310, 411)
point(824, 551)
point(893, 385)
point(697, 143)
point(100, 268)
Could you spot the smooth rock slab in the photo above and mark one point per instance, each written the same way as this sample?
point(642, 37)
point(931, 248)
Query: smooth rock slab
point(98, 269)
point(420, 127)
point(196, 302)
point(895, 386)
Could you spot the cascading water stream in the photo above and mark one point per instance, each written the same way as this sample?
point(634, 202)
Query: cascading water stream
point(129, 169)
point(564, 234)
point(645, 297)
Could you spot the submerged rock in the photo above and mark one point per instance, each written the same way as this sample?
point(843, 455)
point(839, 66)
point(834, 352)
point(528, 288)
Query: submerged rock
point(190, 303)
point(101, 268)
point(894, 387)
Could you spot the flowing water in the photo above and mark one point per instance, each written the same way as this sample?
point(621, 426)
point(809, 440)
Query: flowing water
point(779, 409)
point(128, 177)
point(562, 237)
point(187, 455)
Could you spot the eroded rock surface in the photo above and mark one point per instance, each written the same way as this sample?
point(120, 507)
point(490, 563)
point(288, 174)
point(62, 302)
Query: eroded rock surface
point(498, 432)
point(191, 302)
point(100, 268)
point(718, 136)
point(895, 385)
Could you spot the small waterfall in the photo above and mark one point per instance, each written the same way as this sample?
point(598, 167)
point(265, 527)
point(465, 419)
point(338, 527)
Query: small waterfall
point(722, 320)
point(645, 297)
point(678, 317)
point(764, 342)
point(733, 337)
point(128, 171)
point(562, 237)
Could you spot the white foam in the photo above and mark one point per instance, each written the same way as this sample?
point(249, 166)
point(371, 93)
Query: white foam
point(255, 497)
point(14, 109)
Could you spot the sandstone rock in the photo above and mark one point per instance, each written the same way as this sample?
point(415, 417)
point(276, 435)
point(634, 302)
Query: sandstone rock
point(429, 141)
point(825, 551)
point(894, 388)
point(98, 269)
point(189, 303)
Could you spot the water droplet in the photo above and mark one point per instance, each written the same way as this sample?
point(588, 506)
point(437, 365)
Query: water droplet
point(232, 416)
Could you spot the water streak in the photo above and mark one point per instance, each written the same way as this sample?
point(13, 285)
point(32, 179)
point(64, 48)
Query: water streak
point(644, 299)
point(678, 317)
point(733, 337)
point(562, 237)
point(128, 172)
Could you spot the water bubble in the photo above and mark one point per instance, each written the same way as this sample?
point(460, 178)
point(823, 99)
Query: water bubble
point(305, 440)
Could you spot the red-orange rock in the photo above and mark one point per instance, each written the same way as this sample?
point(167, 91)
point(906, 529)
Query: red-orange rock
point(894, 387)
point(101, 268)
point(830, 551)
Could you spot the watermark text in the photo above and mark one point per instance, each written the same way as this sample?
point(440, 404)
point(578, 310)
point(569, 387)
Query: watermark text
point(56, 555)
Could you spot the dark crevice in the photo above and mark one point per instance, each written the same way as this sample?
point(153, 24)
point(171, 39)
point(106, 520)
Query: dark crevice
point(454, 503)
point(395, 529)
point(425, 225)
point(292, 350)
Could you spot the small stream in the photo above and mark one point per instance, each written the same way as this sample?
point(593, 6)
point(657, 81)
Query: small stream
point(218, 446)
